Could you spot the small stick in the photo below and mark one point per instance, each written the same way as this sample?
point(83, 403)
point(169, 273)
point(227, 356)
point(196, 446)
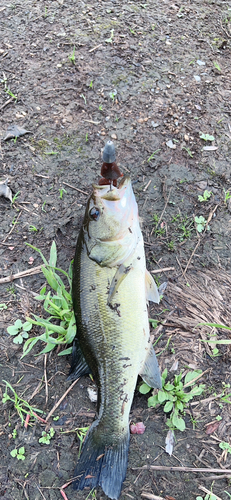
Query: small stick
point(7, 236)
point(182, 469)
point(63, 494)
point(45, 377)
point(199, 240)
point(77, 189)
point(28, 272)
point(164, 206)
point(6, 103)
point(148, 184)
point(163, 270)
point(60, 400)
point(91, 121)
point(209, 492)
point(41, 493)
point(94, 48)
point(150, 496)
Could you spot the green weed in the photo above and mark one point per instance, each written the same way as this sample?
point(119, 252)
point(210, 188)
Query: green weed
point(174, 397)
point(21, 406)
point(20, 331)
point(19, 454)
point(58, 305)
point(47, 436)
point(206, 196)
point(200, 223)
point(81, 433)
point(207, 137)
point(72, 57)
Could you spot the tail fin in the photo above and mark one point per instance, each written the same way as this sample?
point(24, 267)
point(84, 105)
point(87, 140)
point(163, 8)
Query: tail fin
point(103, 465)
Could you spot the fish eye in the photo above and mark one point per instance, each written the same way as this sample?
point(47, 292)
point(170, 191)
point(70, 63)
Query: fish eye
point(94, 213)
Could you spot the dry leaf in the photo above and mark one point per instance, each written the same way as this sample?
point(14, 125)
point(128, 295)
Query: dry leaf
point(169, 441)
point(15, 131)
point(212, 427)
point(5, 190)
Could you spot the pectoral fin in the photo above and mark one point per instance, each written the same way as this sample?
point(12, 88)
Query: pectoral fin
point(150, 372)
point(120, 275)
point(152, 293)
point(79, 366)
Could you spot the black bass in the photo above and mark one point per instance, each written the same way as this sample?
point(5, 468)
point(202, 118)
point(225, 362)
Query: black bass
point(111, 287)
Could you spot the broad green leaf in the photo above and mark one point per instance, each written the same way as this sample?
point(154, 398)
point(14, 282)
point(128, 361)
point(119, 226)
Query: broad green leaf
point(28, 346)
point(191, 376)
point(12, 330)
point(169, 387)
point(207, 137)
point(153, 401)
point(18, 339)
point(197, 390)
point(168, 406)
point(27, 326)
point(144, 388)
point(162, 396)
point(65, 352)
point(53, 255)
point(14, 453)
point(22, 450)
point(164, 375)
point(178, 422)
point(179, 405)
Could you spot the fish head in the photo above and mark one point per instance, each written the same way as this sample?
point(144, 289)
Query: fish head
point(111, 224)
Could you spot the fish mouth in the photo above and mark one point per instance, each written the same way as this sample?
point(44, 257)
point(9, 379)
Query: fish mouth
point(110, 192)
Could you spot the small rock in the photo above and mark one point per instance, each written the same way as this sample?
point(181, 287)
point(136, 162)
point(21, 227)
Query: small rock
point(197, 78)
point(200, 63)
point(186, 138)
point(114, 136)
point(154, 124)
point(170, 144)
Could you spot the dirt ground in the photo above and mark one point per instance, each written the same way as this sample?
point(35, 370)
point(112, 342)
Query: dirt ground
point(153, 77)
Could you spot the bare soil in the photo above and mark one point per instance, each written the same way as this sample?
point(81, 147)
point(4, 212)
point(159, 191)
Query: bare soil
point(140, 74)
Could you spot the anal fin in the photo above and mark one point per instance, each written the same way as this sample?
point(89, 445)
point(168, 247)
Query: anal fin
point(150, 372)
point(79, 366)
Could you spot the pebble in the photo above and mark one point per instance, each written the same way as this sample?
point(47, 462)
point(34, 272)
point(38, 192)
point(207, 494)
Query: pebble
point(114, 136)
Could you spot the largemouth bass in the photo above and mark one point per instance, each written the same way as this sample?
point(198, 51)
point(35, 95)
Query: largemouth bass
point(111, 287)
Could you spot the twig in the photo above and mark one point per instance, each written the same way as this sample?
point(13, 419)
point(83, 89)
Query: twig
point(28, 272)
point(209, 492)
point(6, 103)
point(45, 377)
point(163, 270)
point(41, 493)
point(61, 399)
point(164, 207)
point(150, 496)
point(94, 48)
point(77, 189)
point(190, 259)
point(91, 121)
point(199, 240)
point(148, 184)
point(181, 469)
point(7, 236)
point(214, 478)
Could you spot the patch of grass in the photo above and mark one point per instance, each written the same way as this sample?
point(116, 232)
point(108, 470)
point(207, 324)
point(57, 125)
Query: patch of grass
point(174, 396)
point(21, 406)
